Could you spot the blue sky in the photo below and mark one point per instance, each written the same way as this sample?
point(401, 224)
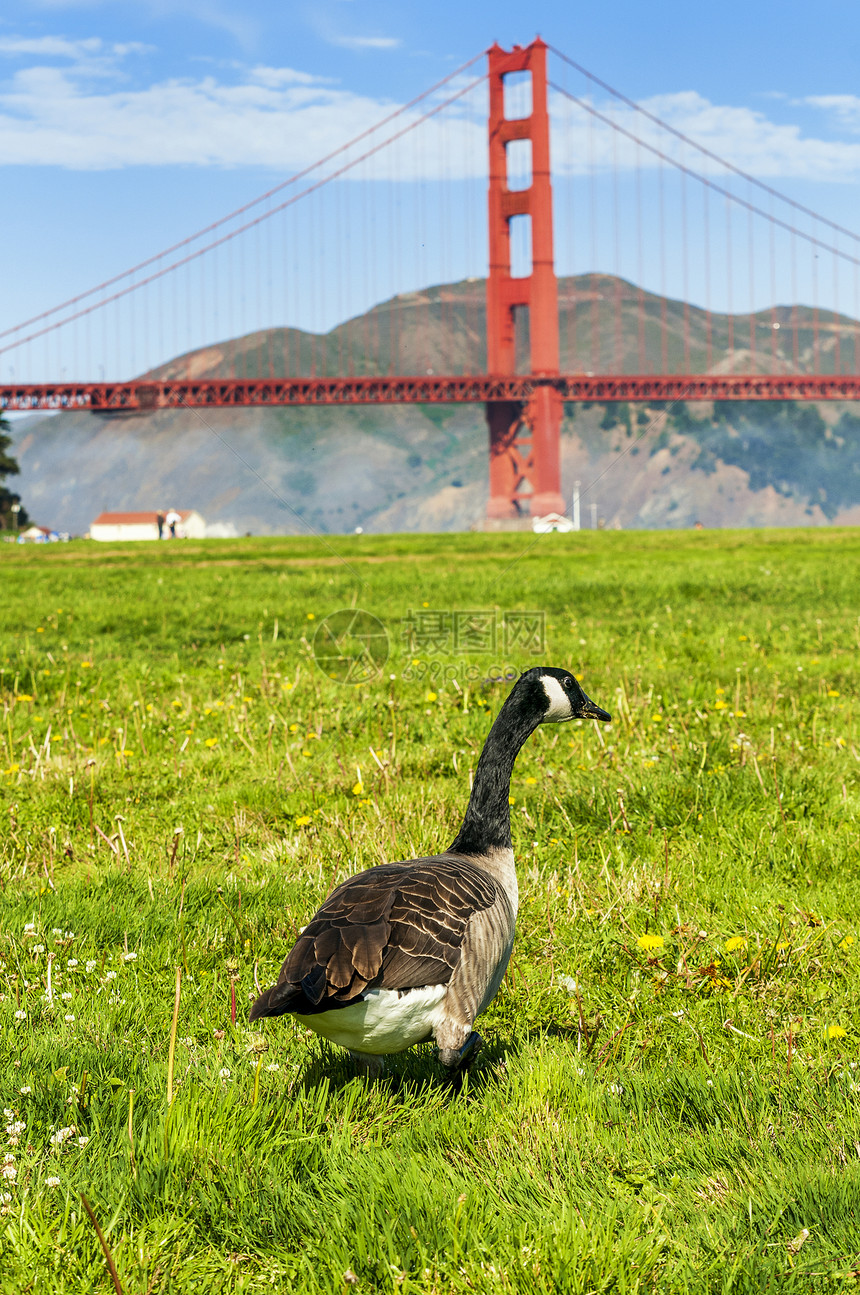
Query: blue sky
point(95, 95)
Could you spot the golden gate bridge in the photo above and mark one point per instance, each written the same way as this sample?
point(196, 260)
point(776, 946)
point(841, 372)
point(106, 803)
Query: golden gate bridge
point(631, 197)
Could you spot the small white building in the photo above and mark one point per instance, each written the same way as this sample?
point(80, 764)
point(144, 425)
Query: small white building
point(144, 526)
point(551, 522)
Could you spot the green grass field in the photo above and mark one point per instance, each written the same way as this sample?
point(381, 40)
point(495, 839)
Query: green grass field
point(669, 1097)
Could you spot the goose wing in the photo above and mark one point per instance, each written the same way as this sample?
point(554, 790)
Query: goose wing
point(397, 926)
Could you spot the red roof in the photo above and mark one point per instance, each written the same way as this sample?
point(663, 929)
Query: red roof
point(136, 519)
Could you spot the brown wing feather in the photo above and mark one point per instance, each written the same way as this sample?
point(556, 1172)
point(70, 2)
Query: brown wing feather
point(397, 926)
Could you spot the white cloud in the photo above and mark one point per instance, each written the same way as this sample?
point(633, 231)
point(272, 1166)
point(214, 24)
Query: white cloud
point(844, 107)
point(367, 42)
point(61, 109)
point(274, 117)
point(743, 136)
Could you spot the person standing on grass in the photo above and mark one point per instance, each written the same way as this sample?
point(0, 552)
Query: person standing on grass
point(172, 519)
point(159, 517)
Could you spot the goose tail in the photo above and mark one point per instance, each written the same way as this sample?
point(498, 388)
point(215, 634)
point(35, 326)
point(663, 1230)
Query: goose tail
point(275, 1001)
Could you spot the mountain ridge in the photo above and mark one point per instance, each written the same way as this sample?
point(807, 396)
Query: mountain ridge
point(424, 467)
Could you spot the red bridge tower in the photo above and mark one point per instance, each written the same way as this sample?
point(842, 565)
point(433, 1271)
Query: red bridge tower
point(525, 446)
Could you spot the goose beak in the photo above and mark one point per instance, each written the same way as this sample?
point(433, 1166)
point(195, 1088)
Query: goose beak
point(590, 711)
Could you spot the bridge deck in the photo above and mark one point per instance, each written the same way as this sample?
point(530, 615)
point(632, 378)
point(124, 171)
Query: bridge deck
point(145, 396)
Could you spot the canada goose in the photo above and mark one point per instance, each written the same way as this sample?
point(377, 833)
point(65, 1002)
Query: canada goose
point(416, 950)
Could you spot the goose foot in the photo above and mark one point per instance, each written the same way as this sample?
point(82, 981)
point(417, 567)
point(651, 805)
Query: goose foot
point(368, 1065)
point(462, 1060)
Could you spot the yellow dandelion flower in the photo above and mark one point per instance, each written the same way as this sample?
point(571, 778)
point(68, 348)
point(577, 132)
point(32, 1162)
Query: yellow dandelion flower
point(720, 705)
point(783, 944)
point(742, 638)
point(650, 942)
point(294, 728)
point(311, 616)
point(736, 942)
point(23, 696)
point(305, 751)
point(831, 692)
point(847, 942)
point(531, 781)
point(836, 1032)
point(512, 800)
point(430, 696)
point(303, 820)
point(211, 741)
point(86, 665)
point(358, 789)
point(39, 630)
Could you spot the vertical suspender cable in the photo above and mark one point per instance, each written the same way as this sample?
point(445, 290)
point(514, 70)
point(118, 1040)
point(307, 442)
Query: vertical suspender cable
point(794, 316)
point(834, 314)
point(664, 325)
point(751, 272)
point(640, 311)
point(730, 318)
point(816, 367)
point(685, 289)
point(707, 251)
point(774, 367)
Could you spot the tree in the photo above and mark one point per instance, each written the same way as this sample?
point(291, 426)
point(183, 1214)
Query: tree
point(8, 468)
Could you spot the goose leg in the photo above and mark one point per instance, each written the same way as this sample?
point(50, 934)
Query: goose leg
point(458, 1062)
point(367, 1064)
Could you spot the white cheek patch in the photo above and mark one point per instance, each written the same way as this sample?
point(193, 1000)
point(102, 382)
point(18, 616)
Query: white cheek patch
point(560, 708)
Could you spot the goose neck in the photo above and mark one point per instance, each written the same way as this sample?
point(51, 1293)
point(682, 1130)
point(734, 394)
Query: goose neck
point(486, 826)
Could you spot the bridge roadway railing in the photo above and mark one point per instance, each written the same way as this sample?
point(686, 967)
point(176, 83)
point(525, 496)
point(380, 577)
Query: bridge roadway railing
point(148, 396)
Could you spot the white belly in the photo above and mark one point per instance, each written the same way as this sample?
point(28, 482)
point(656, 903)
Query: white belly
point(384, 1020)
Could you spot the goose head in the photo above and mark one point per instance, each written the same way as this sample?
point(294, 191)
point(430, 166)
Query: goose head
point(557, 694)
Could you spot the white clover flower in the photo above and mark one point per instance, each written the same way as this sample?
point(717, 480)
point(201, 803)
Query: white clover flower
point(62, 1135)
point(129, 957)
point(68, 1017)
point(91, 964)
point(82, 1142)
point(568, 983)
point(52, 1182)
point(25, 1091)
point(110, 975)
point(5, 1198)
point(57, 930)
point(30, 928)
point(66, 996)
point(10, 1115)
point(224, 1073)
point(72, 962)
point(70, 935)
point(38, 948)
point(8, 1171)
point(273, 1066)
point(20, 1015)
